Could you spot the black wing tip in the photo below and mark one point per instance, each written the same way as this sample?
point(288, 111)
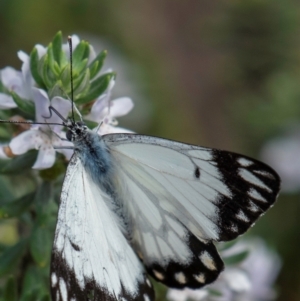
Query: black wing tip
point(202, 269)
point(254, 186)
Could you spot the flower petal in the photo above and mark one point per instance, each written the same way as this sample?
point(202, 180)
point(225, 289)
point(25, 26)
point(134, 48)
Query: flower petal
point(58, 142)
point(186, 294)
point(27, 140)
point(66, 152)
point(92, 55)
point(75, 42)
point(98, 109)
point(120, 106)
point(62, 105)
point(42, 104)
point(11, 78)
point(108, 129)
point(28, 80)
point(41, 50)
point(6, 102)
point(45, 159)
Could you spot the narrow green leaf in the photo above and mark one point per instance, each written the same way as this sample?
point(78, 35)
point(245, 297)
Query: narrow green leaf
point(65, 78)
point(80, 53)
point(46, 71)
point(10, 258)
point(80, 67)
point(27, 106)
point(83, 84)
point(40, 246)
point(42, 196)
point(2, 88)
point(96, 65)
point(237, 258)
point(34, 67)
point(214, 293)
point(16, 207)
point(51, 64)
point(11, 290)
point(56, 68)
point(32, 280)
point(18, 164)
point(222, 246)
point(6, 189)
point(98, 86)
point(57, 47)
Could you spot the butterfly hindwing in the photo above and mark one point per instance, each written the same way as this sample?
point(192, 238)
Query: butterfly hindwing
point(182, 197)
point(91, 259)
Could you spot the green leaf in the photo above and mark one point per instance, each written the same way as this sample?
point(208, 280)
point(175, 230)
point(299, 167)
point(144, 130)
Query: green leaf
point(43, 196)
point(222, 246)
point(11, 290)
point(214, 293)
point(80, 67)
point(34, 67)
point(6, 189)
point(83, 84)
point(51, 64)
point(18, 164)
point(48, 76)
point(10, 258)
point(33, 279)
point(237, 258)
point(57, 47)
point(80, 53)
point(27, 106)
point(40, 245)
point(98, 86)
point(65, 78)
point(16, 207)
point(96, 65)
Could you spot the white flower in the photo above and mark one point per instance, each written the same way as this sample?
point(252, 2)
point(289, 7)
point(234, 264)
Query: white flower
point(19, 82)
point(22, 82)
point(186, 294)
point(283, 154)
point(43, 137)
point(105, 111)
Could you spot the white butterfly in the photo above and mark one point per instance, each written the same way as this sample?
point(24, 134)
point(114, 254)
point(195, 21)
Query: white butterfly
point(132, 204)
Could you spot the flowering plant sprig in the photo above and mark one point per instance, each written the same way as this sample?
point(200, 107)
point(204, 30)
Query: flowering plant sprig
point(30, 197)
point(44, 81)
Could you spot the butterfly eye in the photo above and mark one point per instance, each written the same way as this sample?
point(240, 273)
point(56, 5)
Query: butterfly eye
point(78, 131)
point(69, 135)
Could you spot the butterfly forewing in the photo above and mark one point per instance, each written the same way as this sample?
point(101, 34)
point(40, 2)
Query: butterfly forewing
point(182, 197)
point(91, 258)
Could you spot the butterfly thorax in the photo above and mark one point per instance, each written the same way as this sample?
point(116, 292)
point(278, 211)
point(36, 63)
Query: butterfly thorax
point(93, 153)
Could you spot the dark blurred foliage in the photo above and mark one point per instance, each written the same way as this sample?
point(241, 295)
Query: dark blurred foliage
point(219, 74)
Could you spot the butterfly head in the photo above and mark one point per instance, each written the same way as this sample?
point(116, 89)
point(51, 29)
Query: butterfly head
point(76, 130)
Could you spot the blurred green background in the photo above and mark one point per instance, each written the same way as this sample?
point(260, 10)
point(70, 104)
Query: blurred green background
point(222, 74)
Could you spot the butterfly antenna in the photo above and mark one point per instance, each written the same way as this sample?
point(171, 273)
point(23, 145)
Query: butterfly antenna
point(99, 126)
point(28, 122)
point(71, 75)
